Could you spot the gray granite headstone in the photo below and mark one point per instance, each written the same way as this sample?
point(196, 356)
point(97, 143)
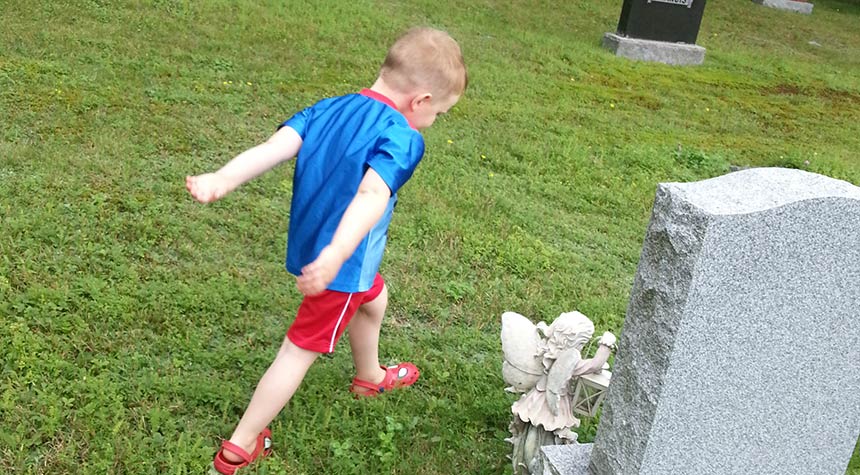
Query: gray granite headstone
point(661, 31)
point(790, 5)
point(676, 54)
point(740, 352)
point(565, 459)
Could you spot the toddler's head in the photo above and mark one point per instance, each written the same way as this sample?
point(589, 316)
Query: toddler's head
point(426, 65)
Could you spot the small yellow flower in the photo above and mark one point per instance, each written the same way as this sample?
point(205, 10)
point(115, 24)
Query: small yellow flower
point(707, 109)
point(450, 141)
point(483, 156)
point(224, 83)
point(248, 83)
point(491, 174)
point(611, 105)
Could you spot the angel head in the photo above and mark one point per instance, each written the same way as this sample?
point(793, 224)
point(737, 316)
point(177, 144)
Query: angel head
point(569, 330)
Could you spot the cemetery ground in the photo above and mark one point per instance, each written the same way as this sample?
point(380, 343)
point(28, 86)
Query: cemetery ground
point(135, 322)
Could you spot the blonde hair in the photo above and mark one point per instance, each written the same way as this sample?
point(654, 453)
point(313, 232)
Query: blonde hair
point(425, 57)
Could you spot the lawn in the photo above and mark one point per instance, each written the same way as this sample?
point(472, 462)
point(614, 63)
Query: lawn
point(136, 322)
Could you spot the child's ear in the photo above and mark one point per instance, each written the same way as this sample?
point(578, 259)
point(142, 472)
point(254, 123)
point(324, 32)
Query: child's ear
point(421, 99)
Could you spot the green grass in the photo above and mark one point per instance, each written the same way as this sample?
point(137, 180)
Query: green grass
point(135, 322)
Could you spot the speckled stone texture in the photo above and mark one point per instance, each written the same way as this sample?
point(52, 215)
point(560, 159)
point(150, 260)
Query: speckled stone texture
point(565, 459)
point(676, 54)
point(740, 349)
point(790, 5)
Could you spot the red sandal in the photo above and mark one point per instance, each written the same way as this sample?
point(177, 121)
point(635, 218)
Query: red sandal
point(226, 467)
point(399, 376)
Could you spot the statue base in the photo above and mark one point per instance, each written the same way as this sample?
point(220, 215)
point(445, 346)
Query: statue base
point(565, 459)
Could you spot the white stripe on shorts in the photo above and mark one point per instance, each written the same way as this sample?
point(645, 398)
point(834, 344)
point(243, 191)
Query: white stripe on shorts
point(339, 319)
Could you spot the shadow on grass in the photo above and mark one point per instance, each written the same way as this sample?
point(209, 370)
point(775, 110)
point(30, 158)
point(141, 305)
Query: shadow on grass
point(851, 7)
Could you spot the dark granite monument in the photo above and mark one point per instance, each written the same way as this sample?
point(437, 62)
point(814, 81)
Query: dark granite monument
point(675, 21)
point(659, 30)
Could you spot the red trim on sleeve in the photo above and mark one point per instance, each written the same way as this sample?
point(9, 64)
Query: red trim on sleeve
point(383, 99)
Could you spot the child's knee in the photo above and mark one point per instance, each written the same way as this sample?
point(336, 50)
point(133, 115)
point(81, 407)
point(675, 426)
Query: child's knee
point(291, 350)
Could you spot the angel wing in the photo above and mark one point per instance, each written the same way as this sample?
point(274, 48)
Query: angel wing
point(559, 375)
point(520, 337)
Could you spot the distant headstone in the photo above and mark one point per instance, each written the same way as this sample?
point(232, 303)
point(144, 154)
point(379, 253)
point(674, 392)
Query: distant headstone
point(790, 5)
point(739, 353)
point(658, 30)
point(676, 54)
point(673, 21)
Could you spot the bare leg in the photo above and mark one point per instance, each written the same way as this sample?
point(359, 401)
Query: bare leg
point(274, 390)
point(364, 338)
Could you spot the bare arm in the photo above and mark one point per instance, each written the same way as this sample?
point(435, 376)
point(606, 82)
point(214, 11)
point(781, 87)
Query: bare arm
point(280, 147)
point(365, 210)
point(595, 364)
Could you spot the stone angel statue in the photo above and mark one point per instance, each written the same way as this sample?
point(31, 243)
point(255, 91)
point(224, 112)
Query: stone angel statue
point(541, 361)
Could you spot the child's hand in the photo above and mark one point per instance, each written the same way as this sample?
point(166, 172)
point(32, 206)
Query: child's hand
point(207, 188)
point(318, 274)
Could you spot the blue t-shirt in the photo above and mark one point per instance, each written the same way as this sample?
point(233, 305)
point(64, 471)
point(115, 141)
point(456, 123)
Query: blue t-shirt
point(343, 137)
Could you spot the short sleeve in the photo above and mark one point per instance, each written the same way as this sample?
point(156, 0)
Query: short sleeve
point(397, 153)
point(298, 122)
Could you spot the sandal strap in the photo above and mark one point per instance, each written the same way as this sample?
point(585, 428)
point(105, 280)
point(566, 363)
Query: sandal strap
point(237, 450)
point(367, 384)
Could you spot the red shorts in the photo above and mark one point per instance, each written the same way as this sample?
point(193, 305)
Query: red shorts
point(322, 318)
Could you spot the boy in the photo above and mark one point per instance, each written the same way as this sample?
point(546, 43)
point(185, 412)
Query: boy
point(354, 153)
